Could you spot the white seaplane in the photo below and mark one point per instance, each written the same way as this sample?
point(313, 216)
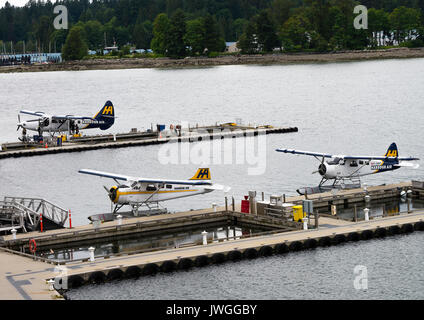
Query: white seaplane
point(138, 191)
point(340, 168)
point(103, 120)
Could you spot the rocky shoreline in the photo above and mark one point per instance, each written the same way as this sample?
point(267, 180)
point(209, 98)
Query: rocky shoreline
point(277, 58)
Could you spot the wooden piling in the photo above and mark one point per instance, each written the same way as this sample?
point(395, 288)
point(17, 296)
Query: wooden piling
point(355, 213)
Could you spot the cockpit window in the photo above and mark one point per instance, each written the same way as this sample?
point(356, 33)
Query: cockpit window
point(353, 163)
point(151, 187)
point(337, 160)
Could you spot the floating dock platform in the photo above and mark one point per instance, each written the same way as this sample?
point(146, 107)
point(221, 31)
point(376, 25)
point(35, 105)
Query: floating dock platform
point(26, 275)
point(122, 140)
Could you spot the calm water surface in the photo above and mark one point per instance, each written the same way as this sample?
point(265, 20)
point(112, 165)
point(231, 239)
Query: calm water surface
point(339, 108)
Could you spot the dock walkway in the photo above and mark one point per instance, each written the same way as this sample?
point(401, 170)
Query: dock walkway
point(95, 143)
point(23, 278)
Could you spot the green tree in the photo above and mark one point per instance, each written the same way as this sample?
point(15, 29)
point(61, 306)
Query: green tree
point(280, 10)
point(75, 47)
point(404, 22)
point(160, 28)
point(175, 46)
point(213, 40)
point(42, 32)
point(143, 35)
point(57, 38)
point(378, 26)
point(295, 33)
point(266, 32)
point(239, 27)
point(195, 36)
point(93, 31)
point(248, 42)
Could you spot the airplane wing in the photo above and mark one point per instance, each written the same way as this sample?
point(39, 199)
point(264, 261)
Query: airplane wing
point(409, 165)
point(377, 158)
point(33, 113)
point(306, 153)
point(219, 187)
point(70, 117)
point(107, 175)
point(142, 180)
point(325, 155)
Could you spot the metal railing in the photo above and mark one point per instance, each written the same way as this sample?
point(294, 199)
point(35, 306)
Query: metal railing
point(33, 207)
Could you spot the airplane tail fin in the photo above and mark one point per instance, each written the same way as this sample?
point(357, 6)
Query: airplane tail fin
point(202, 174)
point(107, 115)
point(392, 151)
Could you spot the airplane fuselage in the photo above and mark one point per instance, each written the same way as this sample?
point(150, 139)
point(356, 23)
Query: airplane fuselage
point(61, 125)
point(337, 168)
point(149, 193)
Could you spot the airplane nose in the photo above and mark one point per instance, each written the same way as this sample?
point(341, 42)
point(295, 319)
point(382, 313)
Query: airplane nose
point(113, 192)
point(322, 169)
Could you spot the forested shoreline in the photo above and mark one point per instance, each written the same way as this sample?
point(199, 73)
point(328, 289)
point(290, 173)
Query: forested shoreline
point(179, 28)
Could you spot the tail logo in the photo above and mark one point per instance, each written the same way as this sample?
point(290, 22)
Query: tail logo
point(202, 174)
point(108, 110)
point(392, 153)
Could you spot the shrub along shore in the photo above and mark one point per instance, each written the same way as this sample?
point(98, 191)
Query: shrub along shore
point(233, 59)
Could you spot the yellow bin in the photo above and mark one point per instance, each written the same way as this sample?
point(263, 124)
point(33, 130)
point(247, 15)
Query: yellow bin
point(298, 213)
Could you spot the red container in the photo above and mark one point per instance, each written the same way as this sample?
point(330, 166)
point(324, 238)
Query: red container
point(245, 206)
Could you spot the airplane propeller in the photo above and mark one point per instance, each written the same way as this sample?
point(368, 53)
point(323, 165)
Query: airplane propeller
point(321, 169)
point(111, 195)
point(111, 192)
point(19, 123)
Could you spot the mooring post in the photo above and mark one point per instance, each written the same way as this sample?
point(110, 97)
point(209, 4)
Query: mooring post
point(234, 208)
point(91, 250)
point(355, 213)
point(51, 283)
point(305, 223)
point(114, 137)
point(366, 211)
point(226, 204)
point(316, 219)
point(408, 206)
point(119, 219)
point(214, 207)
point(263, 196)
point(205, 238)
point(70, 220)
point(13, 233)
point(409, 199)
point(284, 198)
point(41, 222)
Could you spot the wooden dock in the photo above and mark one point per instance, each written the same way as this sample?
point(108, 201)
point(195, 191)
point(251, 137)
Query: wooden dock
point(142, 225)
point(134, 139)
point(24, 276)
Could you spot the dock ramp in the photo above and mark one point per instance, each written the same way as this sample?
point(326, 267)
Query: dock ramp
point(24, 213)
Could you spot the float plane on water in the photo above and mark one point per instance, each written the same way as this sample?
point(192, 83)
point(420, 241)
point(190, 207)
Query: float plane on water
point(139, 191)
point(103, 120)
point(340, 168)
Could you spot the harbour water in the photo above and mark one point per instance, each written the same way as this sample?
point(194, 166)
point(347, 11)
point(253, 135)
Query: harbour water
point(156, 241)
point(339, 108)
